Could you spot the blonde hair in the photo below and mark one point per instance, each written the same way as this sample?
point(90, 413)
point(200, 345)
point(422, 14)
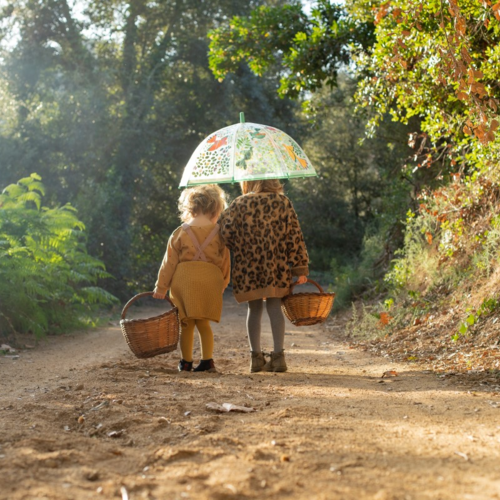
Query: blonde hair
point(264, 186)
point(209, 200)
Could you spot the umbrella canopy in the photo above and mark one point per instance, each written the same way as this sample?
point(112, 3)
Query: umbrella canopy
point(246, 152)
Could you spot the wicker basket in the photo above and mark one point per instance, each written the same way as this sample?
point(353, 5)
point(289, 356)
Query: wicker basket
point(149, 337)
point(307, 308)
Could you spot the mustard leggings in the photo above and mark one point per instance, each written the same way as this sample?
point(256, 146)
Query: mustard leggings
point(187, 338)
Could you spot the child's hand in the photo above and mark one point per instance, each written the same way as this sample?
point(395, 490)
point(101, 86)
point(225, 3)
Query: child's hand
point(301, 280)
point(157, 295)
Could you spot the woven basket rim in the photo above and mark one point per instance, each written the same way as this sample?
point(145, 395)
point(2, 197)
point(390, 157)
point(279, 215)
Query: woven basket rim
point(312, 282)
point(142, 320)
point(316, 294)
point(138, 296)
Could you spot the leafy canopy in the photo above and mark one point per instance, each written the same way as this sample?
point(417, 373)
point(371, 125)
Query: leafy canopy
point(438, 62)
point(309, 50)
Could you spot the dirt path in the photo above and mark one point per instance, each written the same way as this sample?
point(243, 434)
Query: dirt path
point(81, 418)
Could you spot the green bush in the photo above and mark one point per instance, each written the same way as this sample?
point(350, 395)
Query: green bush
point(359, 276)
point(415, 263)
point(47, 279)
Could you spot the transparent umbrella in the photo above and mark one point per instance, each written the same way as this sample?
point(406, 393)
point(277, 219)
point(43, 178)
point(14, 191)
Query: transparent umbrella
point(244, 152)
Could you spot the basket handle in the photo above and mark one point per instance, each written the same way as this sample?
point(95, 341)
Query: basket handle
point(308, 281)
point(138, 296)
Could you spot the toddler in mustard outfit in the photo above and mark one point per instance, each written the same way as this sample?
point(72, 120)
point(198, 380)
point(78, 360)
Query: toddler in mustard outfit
point(196, 269)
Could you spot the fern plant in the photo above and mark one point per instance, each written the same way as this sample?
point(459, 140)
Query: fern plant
point(47, 278)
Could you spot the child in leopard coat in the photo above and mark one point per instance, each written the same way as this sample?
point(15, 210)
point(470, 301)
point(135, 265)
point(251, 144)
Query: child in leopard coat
point(262, 230)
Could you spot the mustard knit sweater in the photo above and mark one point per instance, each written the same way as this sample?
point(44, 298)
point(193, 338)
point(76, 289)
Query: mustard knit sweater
point(181, 249)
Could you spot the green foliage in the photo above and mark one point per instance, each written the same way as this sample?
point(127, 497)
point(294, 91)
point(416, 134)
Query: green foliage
point(307, 52)
point(47, 279)
point(414, 262)
point(487, 307)
point(448, 238)
point(488, 252)
point(438, 63)
point(451, 254)
point(359, 276)
point(364, 323)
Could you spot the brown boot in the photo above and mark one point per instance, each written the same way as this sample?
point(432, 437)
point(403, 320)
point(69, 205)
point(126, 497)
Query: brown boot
point(277, 363)
point(258, 361)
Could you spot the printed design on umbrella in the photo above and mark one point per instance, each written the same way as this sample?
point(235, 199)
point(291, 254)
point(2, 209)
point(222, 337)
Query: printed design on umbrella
point(245, 148)
point(216, 143)
point(214, 159)
point(293, 152)
point(257, 155)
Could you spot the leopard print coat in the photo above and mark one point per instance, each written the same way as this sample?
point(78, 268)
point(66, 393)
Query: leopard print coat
point(263, 233)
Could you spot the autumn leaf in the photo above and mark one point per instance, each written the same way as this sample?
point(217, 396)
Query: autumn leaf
point(479, 132)
point(465, 55)
point(460, 25)
point(382, 12)
point(489, 136)
point(384, 318)
point(479, 89)
point(390, 373)
point(428, 237)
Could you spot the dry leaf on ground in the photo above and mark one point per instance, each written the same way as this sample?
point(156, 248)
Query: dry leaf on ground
point(227, 407)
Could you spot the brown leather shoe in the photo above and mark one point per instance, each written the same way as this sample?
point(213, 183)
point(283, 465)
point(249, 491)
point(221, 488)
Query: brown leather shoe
point(258, 361)
point(277, 363)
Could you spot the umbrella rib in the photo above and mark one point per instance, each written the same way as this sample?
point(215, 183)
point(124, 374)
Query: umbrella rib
point(233, 152)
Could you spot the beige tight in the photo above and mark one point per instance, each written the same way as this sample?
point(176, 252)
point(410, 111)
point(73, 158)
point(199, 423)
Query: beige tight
point(254, 317)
